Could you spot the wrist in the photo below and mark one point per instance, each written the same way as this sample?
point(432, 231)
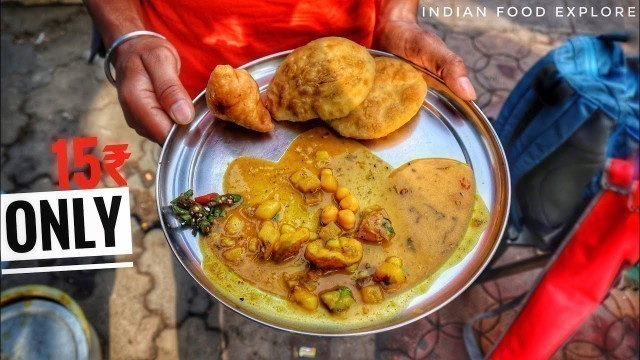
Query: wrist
point(115, 18)
point(111, 35)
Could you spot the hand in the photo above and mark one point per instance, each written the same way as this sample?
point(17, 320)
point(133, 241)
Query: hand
point(407, 40)
point(149, 90)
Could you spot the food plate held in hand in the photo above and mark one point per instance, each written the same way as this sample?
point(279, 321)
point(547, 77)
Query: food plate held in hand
point(324, 234)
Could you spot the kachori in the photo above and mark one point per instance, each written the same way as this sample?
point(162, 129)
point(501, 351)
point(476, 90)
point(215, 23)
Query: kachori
point(397, 94)
point(327, 79)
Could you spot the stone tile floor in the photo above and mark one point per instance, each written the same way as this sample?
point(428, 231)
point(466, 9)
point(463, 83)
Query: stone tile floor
point(155, 310)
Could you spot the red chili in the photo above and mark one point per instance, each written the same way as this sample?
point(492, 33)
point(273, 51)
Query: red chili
point(205, 199)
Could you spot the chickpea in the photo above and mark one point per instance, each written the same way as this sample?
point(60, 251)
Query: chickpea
point(234, 225)
point(286, 229)
point(313, 236)
point(341, 193)
point(268, 232)
point(329, 213)
point(267, 209)
point(234, 254)
point(327, 181)
point(346, 219)
point(349, 202)
point(322, 155)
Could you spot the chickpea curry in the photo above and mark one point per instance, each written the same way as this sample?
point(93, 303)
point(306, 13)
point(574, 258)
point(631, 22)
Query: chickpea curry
point(333, 230)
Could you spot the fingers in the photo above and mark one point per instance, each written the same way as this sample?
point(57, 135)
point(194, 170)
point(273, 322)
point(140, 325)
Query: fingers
point(140, 105)
point(429, 51)
point(454, 74)
point(150, 119)
point(162, 65)
point(437, 57)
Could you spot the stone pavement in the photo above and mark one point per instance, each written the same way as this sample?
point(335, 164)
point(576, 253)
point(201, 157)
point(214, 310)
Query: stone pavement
point(155, 310)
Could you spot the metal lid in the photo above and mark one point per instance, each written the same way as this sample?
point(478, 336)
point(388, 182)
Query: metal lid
point(41, 329)
point(41, 322)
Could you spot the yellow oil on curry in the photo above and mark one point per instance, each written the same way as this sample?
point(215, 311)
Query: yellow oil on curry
point(431, 204)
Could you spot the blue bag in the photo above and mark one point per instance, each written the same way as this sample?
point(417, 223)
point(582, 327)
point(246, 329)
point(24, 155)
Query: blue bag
point(575, 108)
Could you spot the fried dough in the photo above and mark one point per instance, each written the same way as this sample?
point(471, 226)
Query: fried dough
point(233, 95)
point(327, 78)
point(397, 94)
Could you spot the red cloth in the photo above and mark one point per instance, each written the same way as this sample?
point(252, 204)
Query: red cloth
point(207, 33)
point(577, 281)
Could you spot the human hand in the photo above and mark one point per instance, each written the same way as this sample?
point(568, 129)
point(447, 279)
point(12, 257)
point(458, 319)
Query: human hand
point(149, 90)
point(406, 39)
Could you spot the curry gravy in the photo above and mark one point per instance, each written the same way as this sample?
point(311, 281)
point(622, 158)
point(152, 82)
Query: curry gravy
point(431, 203)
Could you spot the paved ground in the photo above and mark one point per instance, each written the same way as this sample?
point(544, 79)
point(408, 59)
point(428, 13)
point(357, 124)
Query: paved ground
point(155, 310)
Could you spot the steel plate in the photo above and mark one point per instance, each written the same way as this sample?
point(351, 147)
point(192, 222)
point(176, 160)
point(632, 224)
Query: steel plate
point(196, 157)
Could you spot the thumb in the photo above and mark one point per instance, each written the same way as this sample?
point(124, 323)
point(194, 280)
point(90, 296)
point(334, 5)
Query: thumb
point(454, 74)
point(162, 66)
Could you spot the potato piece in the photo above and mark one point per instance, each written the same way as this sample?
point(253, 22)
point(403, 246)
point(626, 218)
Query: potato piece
point(338, 300)
point(234, 254)
point(305, 181)
point(394, 260)
point(322, 155)
point(331, 231)
point(313, 198)
point(267, 209)
point(338, 255)
point(253, 244)
point(233, 95)
point(286, 228)
point(390, 274)
point(289, 244)
point(234, 225)
point(268, 232)
point(328, 182)
point(304, 298)
point(372, 294)
point(327, 78)
point(227, 241)
point(375, 226)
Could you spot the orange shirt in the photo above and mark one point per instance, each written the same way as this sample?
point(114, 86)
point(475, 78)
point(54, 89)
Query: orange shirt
point(207, 33)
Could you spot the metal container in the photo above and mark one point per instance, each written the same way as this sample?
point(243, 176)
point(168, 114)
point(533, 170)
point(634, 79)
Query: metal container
point(41, 322)
point(196, 157)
